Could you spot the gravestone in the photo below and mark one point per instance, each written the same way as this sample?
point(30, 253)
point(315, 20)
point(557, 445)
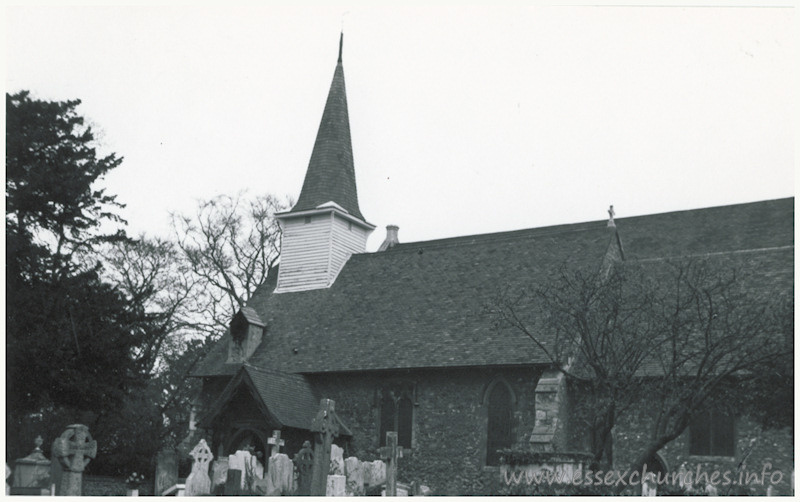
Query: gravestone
point(280, 475)
point(198, 482)
point(354, 470)
point(337, 460)
point(276, 442)
point(335, 486)
point(233, 483)
point(219, 473)
point(304, 463)
point(237, 462)
point(32, 473)
point(8, 475)
point(325, 427)
point(166, 470)
point(374, 473)
point(391, 452)
point(74, 450)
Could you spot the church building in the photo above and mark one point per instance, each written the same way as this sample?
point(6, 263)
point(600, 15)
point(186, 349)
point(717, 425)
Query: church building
point(400, 338)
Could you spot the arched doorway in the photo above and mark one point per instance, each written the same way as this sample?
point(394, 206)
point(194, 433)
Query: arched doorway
point(249, 439)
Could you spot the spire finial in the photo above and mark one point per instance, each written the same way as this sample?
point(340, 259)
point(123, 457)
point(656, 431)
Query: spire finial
point(341, 41)
point(611, 215)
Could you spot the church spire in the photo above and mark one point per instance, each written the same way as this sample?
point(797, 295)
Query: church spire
point(331, 176)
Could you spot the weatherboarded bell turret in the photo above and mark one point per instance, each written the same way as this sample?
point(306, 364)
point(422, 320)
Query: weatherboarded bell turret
point(326, 226)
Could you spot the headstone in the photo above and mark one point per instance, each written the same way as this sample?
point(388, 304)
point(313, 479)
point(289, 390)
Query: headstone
point(354, 470)
point(424, 491)
point(374, 473)
point(280, 475)
point(166, 470)
point(32, 473)
point(336, 485)
point(198, 482)
point(325, 427)
point(649, 485)
point(770, 490)
point(74, 450)
point(219, 473)
point(337, 460)
point(276, 443)
point(391, 452)
point(238, 462)
point(233, 483)
point(304, 463)
point(8, 475)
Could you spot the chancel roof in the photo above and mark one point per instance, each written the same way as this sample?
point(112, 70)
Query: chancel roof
point(423, 304)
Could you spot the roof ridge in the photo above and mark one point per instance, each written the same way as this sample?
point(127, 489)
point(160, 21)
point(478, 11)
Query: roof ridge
point(507, 235)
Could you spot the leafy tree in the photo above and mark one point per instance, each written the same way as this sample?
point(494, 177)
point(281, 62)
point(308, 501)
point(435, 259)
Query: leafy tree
point(69, 335)
point(686, 334)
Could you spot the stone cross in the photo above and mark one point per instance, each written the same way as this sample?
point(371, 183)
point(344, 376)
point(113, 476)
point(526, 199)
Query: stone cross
point(325, 427)
point(276, 443)
point(198, 482)
point(74, 449)
point(304, 463)
point(391, 452)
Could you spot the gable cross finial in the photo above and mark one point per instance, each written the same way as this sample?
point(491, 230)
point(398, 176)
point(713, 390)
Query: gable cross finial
point(611, 214)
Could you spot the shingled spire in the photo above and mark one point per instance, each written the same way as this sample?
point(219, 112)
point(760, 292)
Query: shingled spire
point(331, 176)
point(326, 226)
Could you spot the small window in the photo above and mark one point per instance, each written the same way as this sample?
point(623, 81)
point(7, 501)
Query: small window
point(712, 434)
point(396, 414)
point(499, 433)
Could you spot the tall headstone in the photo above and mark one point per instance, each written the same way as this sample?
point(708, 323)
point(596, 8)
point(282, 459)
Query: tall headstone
point(198, 482)
point(354, 470)
point(391, 452)
point(32, 473)
point(304, 463)
point(280, 475)
point(74, 450)
point(166, 470)
point(325, 427)
point(337, 460)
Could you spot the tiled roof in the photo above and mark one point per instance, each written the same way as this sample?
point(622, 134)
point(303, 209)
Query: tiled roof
point(422, 304)
point(330, 175)
point(287, 397)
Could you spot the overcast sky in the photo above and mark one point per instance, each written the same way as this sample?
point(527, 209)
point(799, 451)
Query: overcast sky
point(464, 120)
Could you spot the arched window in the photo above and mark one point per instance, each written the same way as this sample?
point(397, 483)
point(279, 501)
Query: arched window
point(396, 414)
point(405, 417)
point(499, 432)
point(388, 413)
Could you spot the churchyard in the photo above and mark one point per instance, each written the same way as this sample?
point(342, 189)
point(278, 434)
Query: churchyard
point(319, 469)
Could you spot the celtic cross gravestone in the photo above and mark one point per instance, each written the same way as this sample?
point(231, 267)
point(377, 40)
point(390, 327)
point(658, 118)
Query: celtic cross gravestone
point(74, 449)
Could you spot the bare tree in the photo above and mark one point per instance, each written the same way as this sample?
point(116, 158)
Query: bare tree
point(230, 245)
point(682, 332)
